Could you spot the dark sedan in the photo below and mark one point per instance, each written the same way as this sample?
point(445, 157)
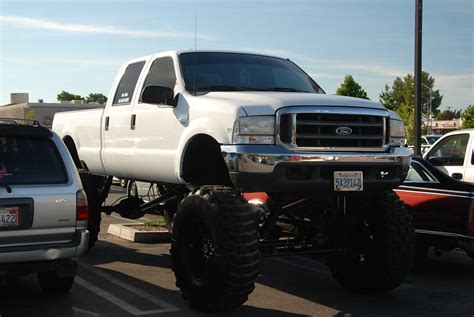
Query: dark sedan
point(442, 208)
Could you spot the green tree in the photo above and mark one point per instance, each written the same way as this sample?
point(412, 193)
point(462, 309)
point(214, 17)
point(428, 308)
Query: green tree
point(96, 97)
point(448, 115)
point(401, 99)
point(468, 117)
point(349, 87)
point(66, 96)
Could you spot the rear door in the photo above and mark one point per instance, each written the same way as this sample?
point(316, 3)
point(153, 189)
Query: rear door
point(37, 196)
point(118, 122)
point(450, 155)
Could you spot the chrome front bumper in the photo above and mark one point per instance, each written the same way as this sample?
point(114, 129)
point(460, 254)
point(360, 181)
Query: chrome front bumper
point(274, 167)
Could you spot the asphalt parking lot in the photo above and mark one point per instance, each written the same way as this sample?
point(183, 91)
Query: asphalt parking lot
point(120, 278)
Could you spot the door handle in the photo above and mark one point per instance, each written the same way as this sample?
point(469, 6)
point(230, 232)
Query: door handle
point(107, 119)
point(457, 176)
point(132, 121)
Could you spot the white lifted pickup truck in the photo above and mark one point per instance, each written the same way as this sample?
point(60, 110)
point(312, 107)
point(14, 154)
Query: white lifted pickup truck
point(208, 126)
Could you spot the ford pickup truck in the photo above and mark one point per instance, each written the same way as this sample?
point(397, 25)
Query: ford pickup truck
point(207, 126)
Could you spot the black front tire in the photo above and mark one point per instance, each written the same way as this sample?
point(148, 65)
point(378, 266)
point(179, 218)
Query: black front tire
point(215, 249)
point(382, 243)
point(470, 254)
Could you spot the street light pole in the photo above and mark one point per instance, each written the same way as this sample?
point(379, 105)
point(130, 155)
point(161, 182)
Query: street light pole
point(430, 128)
point(418, 37)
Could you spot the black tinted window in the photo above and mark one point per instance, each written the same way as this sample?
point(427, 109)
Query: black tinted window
point(124, 93)
point(206, 72)
point(161, 73)
point(28, 160)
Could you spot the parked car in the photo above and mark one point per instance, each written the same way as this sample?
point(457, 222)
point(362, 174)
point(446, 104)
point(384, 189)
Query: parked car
point(442, 208)
point(453, 154)
point(43, 208)
point(428, 140)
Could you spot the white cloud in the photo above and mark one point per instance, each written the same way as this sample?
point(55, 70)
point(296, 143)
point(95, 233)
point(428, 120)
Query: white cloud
point(31, 23)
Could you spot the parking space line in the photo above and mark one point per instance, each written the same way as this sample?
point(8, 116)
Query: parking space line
point(166, 307)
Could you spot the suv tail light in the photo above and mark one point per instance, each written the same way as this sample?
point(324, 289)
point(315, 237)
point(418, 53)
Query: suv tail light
point(82, 208)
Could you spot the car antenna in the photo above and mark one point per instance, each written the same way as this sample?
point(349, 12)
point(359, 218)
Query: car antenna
point(195, 44)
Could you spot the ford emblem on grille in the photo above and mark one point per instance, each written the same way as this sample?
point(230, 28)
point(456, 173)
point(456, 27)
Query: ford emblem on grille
point(344, 131)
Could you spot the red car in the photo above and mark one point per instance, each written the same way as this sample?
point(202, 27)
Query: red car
point(442, 209)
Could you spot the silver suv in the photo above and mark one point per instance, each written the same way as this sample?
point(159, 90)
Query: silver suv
point(43, 208)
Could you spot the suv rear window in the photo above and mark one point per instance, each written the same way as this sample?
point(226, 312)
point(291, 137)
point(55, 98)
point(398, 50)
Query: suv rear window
point(30, 160)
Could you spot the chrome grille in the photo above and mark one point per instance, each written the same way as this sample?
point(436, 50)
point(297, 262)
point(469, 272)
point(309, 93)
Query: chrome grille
point(330, 130)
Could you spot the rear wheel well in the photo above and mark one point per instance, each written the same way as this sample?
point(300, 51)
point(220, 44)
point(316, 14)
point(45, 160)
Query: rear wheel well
point(71, 146)
point(203, 163)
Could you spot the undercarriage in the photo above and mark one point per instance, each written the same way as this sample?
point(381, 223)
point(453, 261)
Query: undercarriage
point(218, 234)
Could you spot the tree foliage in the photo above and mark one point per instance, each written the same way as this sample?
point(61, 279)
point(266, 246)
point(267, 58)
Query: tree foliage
point(401, 99)
point(66, 96)
point(96, 97)
point(449, 115)
point(349, 87)
point(468, 117)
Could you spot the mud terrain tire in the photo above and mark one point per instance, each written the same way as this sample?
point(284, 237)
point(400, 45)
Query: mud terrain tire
point(214, 249)
point(383, 261)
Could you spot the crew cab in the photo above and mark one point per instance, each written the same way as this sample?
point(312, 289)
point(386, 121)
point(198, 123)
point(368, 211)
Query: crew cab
point(206, 126)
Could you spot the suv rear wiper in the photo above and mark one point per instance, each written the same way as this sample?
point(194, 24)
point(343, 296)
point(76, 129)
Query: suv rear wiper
point(7, 187)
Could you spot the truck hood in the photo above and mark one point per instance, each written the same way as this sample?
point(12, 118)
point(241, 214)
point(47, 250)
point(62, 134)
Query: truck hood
point(267, 103)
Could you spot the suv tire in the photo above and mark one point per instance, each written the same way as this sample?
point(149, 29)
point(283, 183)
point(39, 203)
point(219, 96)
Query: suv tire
point(383, 247)
point(215, 249)
point(470, 254)
point(50, 282)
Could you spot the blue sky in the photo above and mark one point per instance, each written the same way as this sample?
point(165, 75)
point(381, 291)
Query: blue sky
point(78, 46)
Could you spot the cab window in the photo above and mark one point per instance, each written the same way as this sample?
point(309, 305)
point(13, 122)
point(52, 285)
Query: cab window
point(124, 93)
point(161, 73)
point(451, 151)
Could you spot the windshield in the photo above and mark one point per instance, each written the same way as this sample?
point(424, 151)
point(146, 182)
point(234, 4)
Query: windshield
point(204, 72)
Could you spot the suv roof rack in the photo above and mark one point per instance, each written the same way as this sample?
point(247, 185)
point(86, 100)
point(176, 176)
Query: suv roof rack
point(19, 121)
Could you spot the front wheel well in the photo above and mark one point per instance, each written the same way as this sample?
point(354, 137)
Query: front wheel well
point(203, 163)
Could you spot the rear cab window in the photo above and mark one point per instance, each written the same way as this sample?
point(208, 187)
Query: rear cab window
point(126, 86)
point(26, 159)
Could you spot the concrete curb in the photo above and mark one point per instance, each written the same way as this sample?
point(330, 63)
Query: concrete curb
point(124, 231)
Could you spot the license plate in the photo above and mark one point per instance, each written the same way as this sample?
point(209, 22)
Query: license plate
point(348, 181)
point(9, 216)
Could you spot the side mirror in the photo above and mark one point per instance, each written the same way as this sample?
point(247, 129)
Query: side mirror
point(158, 95)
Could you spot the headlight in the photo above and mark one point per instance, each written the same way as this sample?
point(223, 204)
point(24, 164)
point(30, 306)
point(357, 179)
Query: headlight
point(254, 130)
point(397, 133)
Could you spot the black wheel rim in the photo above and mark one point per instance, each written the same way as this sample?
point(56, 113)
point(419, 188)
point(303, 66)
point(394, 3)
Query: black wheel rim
point(198, 252)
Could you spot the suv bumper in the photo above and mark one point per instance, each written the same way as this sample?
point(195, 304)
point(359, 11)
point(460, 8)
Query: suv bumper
point(276, 168)
point(33, 258)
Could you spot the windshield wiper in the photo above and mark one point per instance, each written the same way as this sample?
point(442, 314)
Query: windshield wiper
point(7, 187)
point(220, 88)
point(287, 89)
